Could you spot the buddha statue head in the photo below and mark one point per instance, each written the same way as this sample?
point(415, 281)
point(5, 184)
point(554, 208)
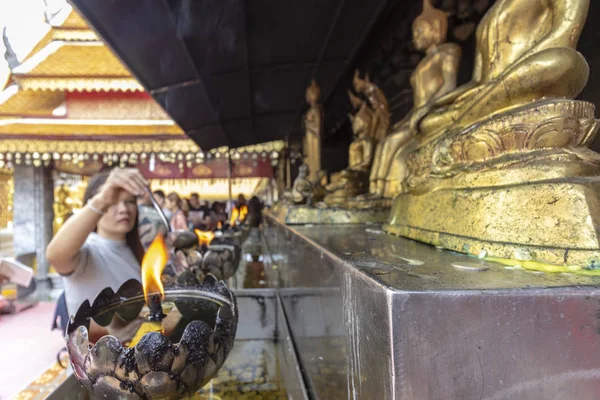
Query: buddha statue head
point(354, 100)
point(313, 93)
point(430, 28)
point(303, 171)
point(362, 121)
point(360, 84)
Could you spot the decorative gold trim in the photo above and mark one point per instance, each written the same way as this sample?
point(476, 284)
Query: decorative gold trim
point(98, 147)
point(66, 127)
point(110, 147)
point(76, 84)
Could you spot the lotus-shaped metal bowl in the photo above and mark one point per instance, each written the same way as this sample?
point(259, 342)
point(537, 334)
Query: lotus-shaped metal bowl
point(158, 367)
point(221, 258)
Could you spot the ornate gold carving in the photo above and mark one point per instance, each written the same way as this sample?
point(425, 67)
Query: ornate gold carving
point(313, 127)
point(96, 147)
point(546, 124)
point(110, 147)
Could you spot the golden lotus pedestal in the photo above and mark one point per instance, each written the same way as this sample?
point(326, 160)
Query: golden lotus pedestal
point(305, 214)
point(519, 186)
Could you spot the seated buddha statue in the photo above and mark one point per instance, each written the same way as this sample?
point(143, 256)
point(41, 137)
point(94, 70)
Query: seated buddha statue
point(433, 77)
point(525, 51)
point(355, 179)
point(301, 190)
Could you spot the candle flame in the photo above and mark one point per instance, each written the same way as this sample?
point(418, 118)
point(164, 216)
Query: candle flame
point(219, 225)
point(204, 237)
point(238, 215)
point(243, 212)
point(235, 213)
point(153, 264)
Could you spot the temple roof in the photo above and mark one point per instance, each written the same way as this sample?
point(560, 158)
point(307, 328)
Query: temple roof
point(13, 101)
point(71, 57)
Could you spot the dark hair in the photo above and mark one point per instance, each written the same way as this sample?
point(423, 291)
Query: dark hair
point(132, 237)
point(196, 195)
point(174, 197)
point(159, 193)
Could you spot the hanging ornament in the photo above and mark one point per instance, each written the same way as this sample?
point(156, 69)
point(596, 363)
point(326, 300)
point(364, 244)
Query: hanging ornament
point(152, 163)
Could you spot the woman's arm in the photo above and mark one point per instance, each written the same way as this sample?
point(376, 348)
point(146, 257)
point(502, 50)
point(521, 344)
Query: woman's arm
point(64, 248)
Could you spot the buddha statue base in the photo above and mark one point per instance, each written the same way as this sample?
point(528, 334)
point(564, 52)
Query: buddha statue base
point(350, 184)
point(324, 215)
point(520, 185)
point(363, 203)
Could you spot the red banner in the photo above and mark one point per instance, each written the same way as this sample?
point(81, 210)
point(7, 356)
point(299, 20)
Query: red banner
point(211, 169)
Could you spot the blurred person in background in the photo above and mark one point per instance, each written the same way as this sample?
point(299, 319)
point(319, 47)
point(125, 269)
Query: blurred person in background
point(198, 212)
point(178, 218)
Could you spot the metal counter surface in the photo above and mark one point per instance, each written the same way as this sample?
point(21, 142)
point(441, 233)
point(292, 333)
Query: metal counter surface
point(375, 316)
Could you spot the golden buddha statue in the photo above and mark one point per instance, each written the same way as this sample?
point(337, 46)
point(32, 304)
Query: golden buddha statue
point(525, 51)
point(377, 99)
point(355, 179)
point(313, 127)
point(433, 77)
point(318, 187)
point(500, 166)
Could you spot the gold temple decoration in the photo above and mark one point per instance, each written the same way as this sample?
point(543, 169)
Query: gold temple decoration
point(313, 127)
point(434, 76)
point(354, 180)
point(65, 201)
point(500, 167)
point(6, 197)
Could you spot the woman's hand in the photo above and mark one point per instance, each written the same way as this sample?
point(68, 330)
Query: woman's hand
point(129, 179)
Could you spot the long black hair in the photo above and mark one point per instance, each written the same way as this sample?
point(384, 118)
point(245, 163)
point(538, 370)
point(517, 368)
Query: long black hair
point(132, 237)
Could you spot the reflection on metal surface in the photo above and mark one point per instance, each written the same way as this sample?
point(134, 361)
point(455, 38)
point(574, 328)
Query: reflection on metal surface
point(251, 371)
point(369, 325)
point(470, 266)
point(304, 214)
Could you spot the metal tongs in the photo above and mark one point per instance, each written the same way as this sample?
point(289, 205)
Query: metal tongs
point(159, 210)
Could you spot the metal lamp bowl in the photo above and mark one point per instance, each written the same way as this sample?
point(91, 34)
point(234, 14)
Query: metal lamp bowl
point(158, 367)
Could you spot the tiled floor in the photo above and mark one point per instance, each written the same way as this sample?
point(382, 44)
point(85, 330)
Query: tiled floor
point(28, 348)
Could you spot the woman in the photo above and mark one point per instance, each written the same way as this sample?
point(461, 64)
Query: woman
point(178, 218)
point(99, 246)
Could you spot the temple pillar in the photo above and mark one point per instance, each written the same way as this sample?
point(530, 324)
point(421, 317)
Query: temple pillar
point(33, 214)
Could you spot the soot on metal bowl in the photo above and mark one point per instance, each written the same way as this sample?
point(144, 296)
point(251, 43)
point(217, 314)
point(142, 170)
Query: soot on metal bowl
point(220, 258)
point(160, 366)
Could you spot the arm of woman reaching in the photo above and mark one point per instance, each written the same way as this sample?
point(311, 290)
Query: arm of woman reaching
point(64, 249)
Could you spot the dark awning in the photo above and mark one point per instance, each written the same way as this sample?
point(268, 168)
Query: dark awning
point(234, 72)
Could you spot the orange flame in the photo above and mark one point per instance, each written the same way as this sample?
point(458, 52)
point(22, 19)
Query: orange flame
point(219, 225)
point(235, 213)
point(238, 214)
point(153, 264)
point(204, 237)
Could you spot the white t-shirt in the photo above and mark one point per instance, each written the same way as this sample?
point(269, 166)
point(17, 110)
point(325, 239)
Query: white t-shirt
point(101, 263)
